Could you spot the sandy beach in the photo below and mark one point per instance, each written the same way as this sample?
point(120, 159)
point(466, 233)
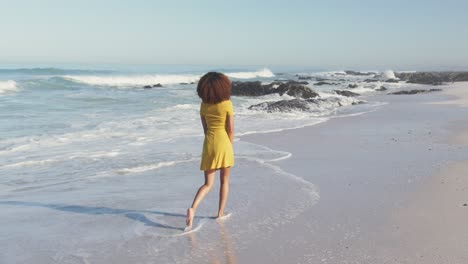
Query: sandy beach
point(431, 228)
point(391, 183)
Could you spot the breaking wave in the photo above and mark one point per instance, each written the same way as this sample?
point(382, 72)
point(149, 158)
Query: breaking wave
point(264, 73)
point(8, 86)
point(151, 79)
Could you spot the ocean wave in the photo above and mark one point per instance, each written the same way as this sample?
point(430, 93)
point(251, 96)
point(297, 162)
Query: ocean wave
point(132, 80)
point(264, 73)
point(50, 71)
point(8, 86)
point(150, 167)
point(149, 79)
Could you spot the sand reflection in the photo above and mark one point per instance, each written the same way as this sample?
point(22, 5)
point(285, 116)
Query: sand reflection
point(223, 252)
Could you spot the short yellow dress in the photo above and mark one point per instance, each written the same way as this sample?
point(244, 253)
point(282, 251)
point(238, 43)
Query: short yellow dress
point(217, 148)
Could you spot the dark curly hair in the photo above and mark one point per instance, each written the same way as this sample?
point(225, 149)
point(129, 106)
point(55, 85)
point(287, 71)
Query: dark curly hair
point(214, 87)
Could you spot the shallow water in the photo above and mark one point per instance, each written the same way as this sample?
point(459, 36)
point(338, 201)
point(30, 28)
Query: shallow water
point(95, 168)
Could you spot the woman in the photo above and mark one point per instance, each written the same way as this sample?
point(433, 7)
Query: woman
point(217, 118)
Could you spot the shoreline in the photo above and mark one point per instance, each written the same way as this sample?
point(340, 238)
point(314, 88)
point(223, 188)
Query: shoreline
point(347, 236)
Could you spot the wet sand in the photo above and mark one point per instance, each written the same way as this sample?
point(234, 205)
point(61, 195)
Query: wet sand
point(379, 177)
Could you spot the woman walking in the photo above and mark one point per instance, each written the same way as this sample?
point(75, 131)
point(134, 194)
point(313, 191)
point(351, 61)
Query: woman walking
point(217, 118)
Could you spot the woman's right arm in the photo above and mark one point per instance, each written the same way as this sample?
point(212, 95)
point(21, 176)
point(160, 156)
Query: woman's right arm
point(230, 127)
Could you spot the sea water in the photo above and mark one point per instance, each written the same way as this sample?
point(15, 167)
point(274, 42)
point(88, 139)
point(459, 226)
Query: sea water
point(93, 166)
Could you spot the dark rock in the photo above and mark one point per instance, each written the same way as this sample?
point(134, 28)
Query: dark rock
point(292, 88)
point(292, 82)
point(371, 80)
point(183, 83)
point(352, 86)
point(359, 73)
point(292, 105)
point(416, 91)
point(382, 88)
point(147, 87)
point(346, 93)
point(434, 78)
point(321, 79)
point(282, 106)
point(192, 83)
point(392, 81)
point(358, 103)
point(465, 204)
point(305, 77)
point(157, 85)
point(254, 88)
point(300, 91)
point(322, 83)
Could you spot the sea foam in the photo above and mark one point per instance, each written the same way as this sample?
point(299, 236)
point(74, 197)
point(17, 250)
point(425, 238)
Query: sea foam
point(264, 73)
point(8, 86)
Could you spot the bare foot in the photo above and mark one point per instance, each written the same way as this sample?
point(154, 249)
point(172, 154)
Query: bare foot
point(222, 216)
point(189, 218)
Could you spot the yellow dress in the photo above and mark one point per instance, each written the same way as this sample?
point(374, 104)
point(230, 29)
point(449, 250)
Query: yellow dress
point(217, 148)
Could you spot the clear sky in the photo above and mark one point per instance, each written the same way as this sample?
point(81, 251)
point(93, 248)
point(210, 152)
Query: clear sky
point(358, 34)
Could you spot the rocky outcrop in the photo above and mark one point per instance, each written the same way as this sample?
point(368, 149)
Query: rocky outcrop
point(416, 91)
point(382, 88)
point(298, 91)
point(282, 106)
point(358, 103)
point(291, 88)
point(434, 78)
point(352, 86)
point(392, 81)
point(356, 73)
point(254, 88)
point(346, 93)
point(152, 86)
point(324, 83)
point(293, 105)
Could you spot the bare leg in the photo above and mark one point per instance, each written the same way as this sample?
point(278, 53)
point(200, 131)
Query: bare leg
point(223, 190)
point(201, 193)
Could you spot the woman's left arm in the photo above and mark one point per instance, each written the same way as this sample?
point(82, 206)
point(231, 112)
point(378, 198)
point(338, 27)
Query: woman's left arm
point(229, 126)
point(205, 126)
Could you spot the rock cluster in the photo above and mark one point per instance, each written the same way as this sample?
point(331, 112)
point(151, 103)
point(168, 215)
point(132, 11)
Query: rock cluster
point(293, 105)
point(416, 91)
point(256, 88)
point(434, 78)
point(346, 93)
point(152, 86)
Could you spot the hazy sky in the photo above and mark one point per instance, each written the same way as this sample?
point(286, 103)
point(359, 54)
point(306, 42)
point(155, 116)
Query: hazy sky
point(324, 34)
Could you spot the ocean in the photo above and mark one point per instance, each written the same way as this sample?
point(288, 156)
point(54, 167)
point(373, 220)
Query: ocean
point(93, 154)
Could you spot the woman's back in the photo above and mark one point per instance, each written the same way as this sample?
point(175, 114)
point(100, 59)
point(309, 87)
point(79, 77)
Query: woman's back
point(215, 114)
